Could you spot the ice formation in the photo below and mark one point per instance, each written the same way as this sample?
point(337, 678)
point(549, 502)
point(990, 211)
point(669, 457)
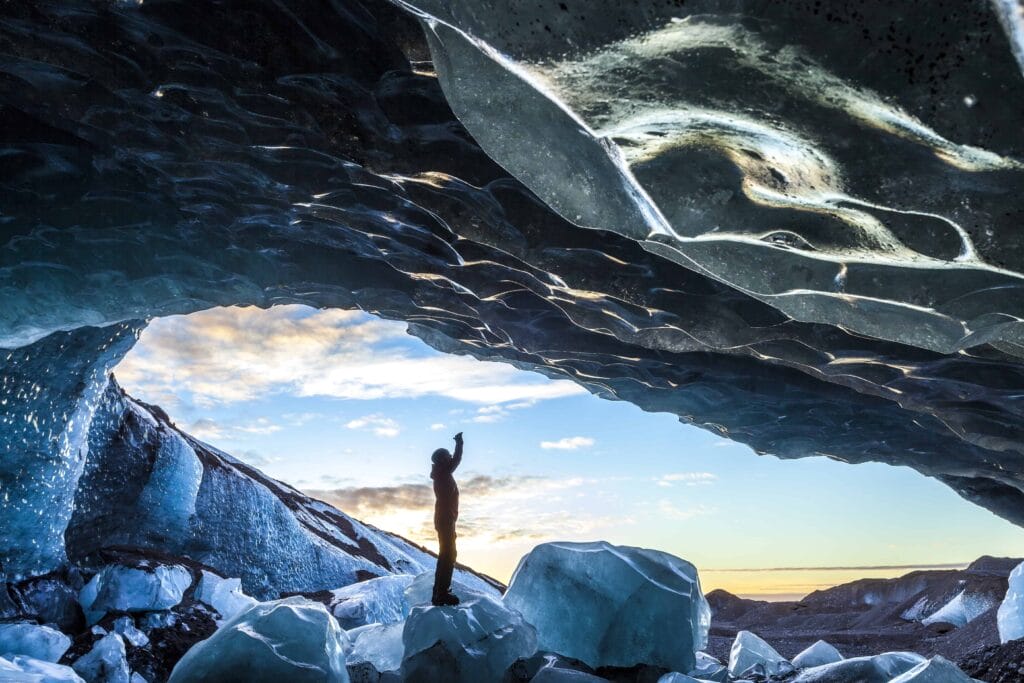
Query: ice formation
point(817, 654)
point(135, 589)
point(106, 662)
point(938, 669)
point(556, 675)
point(22, 669)
point(612, 605)
point(750, 656)
point(474, 641)
point(224, 595)
point(32, 640)
point(293, 640)
point(961, 610)
point(376, 601)
point(125, 626)
point(877, 669)
point(1010, 616)
point(710, 669)
point(380, 645)
point(676, 677)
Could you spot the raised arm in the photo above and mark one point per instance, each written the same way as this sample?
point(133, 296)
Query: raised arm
point(457, 457)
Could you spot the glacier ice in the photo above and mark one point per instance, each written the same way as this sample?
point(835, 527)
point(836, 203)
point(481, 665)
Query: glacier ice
point(938, 669)
point(961, 610)
point(293, 639)
point(751, 656)
point(612, 605)
point(106, 662)
point(708, 668)
point(22, 669)
point(119, 588)
point(817, 654)
point(877, 669)
point(32, 640)
point(381, 600)
point(224, 595)
point(1010, 616)
point(551, 674)
point(676, 677)
point(126, 627)
point(379, 644)
point(477, 640)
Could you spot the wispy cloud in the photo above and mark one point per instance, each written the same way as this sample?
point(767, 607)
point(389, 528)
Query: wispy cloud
point(228, 355)
point(380, 425)
point(569, 443)
point(437, 426)
point(685, 478)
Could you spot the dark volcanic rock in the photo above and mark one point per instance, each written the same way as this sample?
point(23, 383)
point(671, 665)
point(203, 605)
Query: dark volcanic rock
point(996, 663)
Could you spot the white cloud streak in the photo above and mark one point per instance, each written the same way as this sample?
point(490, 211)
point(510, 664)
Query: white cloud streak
point(569, 443)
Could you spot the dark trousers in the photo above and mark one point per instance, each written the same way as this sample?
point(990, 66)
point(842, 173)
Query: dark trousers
point(445, 561)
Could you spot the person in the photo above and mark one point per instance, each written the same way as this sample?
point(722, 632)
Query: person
point(446, 512)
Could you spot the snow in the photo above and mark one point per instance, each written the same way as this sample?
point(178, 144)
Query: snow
point(818, 654)
point(105, 663)
point(129, 589)
point(381, 601)
point(1010, 615)
point(224, 595)
point(612, 605)
point(468, 643)
point(938, 669)
point(38, 642)
point(877, 669)
point(379, 644)
point(295, 640)
point(750, 656)
point(126, 627)
point(22, 669)
point(961, 610)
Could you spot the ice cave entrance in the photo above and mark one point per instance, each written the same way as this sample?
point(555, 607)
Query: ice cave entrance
point(347, 407)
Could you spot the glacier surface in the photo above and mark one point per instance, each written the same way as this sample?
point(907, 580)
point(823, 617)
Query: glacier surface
point(1010, 616)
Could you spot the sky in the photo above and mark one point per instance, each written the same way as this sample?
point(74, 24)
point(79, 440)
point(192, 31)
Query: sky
point(348, 408)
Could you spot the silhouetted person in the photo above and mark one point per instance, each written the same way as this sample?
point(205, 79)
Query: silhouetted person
point(446, 512)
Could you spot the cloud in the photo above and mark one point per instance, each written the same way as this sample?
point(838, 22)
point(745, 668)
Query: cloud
point(381, 426)
point(229, 355)
point(670, 510)
point(569, 443)
point(205, 429)
point(686, 478)
point(437, 426)
point(258, 426)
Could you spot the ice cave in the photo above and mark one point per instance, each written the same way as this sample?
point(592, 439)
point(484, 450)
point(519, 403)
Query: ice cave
point(795, 225)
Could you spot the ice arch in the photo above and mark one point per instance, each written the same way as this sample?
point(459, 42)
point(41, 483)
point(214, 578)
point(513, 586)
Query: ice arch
point(172, 156)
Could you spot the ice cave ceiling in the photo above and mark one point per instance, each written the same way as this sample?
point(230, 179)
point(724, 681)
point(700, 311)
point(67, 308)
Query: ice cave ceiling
point(797, 224)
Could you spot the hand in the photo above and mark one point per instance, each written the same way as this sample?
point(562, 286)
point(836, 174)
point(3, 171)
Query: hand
point(458, 438)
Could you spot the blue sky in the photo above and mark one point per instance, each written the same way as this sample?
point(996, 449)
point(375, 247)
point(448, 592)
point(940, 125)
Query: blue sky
point(349, 407)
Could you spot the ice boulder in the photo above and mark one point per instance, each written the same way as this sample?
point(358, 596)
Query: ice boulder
point(32, 640)
point(22, 669)
point(294, 639)
point(375, 601)
point(126, 627)
point(708, 668)
point(224, 595)
point(1010, 615)
point(938, 669)
point(878, 669)
point(474, 641)
point(818, 654)
point(676, 677)
point(134, 589)
point(612, 605)
point(106, 662)
point(751, 656)
point(379, 645)
point(552, 674)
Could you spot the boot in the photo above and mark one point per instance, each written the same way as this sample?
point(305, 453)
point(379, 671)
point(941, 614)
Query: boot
point(447, 599)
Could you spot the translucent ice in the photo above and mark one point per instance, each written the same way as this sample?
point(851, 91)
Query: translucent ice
point(294, 640)
point(676, 677)
point(612, 605)
point(380, 645)
point(818, 654)
point(552, 674)
point(709, 669)
point(224, 595)
point(878, 669)
point(126, 627)
point(938, 669)
point(750, 656)
point(472, 642)
point(1011, 611)
point(22, 669)
point(133, 589)
point(106, 662)
point(38, 642)
point(381, 601)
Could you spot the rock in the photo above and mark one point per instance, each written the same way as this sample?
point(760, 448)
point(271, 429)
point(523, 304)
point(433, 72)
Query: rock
point(938, 669)
point(818, 654)
point(118, 588)
point(53, 601)
point(106, 663)
point(612, 605)
point(877, 669)
point(294, 640)
point(474, 641)
point(380, 645)
point(22, 669)
point(381, 600)
point(38, 642)
point(126, 627)
point(751, 656)
point(1011, 611)
point(224, 595)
